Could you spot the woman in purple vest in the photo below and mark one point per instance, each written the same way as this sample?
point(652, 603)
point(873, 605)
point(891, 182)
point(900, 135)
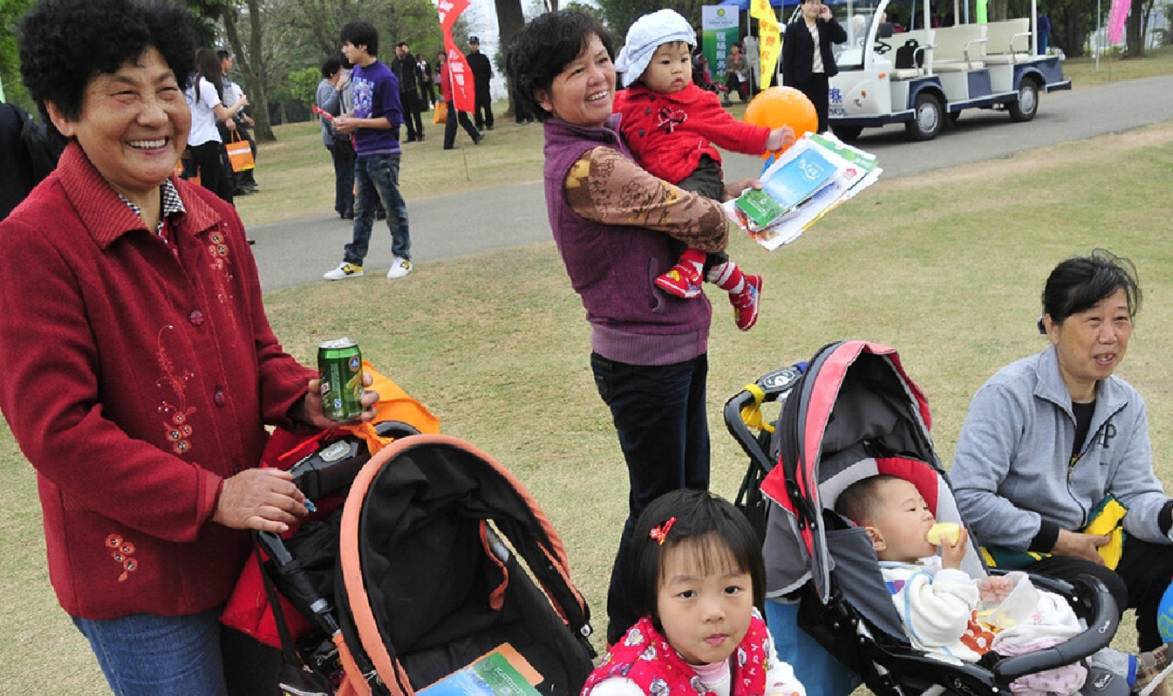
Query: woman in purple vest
point(615, 226)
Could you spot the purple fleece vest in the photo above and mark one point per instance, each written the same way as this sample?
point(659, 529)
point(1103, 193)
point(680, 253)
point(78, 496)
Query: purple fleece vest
point(612, 267)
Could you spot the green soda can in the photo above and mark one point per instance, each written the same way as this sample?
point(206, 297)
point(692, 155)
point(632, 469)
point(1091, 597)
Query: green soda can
point(340, 367)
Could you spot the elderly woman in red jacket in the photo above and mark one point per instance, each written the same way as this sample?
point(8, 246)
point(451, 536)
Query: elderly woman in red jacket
point(140, 369)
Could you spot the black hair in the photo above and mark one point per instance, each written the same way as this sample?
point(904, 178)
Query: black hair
point(331, 66)
point(1078, 283)
point(706, 522)
point(401, 43)
point(361, 34)
point(66, 43)
point(858, 502)
point(542, 50)
point(222, 53)
point(208, 67)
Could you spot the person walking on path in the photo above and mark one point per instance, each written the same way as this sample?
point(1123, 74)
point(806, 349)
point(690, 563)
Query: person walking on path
point(407, 71)
point(329, 99)
point(807, 60)
point(453, 114)
point(245, 182)
point(427, 83)
point(375, 123)
point(482, 72)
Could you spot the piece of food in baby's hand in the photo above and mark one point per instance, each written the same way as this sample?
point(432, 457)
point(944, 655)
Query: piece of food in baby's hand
point(943, 532)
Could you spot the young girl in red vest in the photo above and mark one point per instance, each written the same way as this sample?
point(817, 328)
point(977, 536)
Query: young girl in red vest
point(697, 575)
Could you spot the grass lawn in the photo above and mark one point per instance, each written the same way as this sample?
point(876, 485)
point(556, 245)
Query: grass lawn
point(1083, 72)
point(947, 267)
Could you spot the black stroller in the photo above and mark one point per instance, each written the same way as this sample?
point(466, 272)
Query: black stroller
point(853, 412)
point(438, 557)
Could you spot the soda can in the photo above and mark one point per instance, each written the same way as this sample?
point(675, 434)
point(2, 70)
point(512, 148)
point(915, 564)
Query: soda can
point(340, 368)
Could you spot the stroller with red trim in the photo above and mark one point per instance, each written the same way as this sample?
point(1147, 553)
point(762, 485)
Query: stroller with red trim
point(438, 556)
point(849, 413)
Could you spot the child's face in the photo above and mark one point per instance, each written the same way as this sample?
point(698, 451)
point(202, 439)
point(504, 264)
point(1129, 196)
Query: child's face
point(670, 70)
point(899, 525)
point(704, 614)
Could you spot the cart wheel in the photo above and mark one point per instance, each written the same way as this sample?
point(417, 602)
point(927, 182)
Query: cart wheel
point(929, 117)
point(1027, 105)
point(847, 133)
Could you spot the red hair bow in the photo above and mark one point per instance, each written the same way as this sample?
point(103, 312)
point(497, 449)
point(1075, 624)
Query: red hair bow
point(660, 534)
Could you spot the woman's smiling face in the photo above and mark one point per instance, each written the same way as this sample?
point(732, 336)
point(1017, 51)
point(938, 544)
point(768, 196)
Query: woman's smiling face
point(583, 93)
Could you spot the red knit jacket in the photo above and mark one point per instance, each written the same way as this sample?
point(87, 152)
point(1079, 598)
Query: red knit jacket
point(135, 380)
point(668, 133)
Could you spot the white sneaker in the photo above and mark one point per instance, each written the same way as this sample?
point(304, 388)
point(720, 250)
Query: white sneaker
point(399, 268)
point(344, 270)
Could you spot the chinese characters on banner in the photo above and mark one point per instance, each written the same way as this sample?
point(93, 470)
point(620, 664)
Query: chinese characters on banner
point(460, 76)
point(770, 34)
point(718, 33)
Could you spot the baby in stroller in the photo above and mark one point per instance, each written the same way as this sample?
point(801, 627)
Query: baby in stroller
point(947, 613)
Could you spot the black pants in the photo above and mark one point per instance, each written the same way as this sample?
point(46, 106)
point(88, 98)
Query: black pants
point(450, 126)
point(342, 154)
point(212, 163)
point(428, 92)
point(659, 415)
point(815, 89)
point(708, 181)
point(410, 100)
point(483, 113)
point(1138, 582)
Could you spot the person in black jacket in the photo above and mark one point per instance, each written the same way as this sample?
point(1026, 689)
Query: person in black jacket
point(28, 152)
point(482, 72)
point(807, 60)
point(407, 71)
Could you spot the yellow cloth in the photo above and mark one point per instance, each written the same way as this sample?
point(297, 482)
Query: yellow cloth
point(770, 33)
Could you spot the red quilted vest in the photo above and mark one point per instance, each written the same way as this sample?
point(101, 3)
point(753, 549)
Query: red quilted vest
point(644, 656)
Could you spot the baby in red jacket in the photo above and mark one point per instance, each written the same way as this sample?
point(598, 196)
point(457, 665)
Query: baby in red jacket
point(671, 126)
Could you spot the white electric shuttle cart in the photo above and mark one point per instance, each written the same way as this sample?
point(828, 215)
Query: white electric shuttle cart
point(922, 75)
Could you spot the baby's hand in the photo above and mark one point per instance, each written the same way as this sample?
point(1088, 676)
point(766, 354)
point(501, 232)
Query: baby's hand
point(995, 589)
point(953, 551)
point(780, 139)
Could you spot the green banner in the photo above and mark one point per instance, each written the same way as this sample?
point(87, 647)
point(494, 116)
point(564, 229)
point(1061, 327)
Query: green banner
point(719, 31)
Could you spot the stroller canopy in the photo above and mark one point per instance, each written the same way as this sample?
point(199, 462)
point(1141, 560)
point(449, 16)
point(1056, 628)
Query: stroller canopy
point(854, 413)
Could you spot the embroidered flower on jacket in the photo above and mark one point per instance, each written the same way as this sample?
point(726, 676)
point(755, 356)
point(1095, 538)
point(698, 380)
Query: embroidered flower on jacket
point(122, 551)
point(177, 429)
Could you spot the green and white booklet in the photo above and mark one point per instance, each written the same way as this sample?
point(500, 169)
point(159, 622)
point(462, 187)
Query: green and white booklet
point(502, 672)
point(814, 176)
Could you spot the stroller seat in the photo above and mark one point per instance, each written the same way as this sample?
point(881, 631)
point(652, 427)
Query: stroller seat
point(850, 413)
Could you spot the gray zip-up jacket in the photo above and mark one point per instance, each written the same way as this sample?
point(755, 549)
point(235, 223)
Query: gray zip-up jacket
point(1011, 472)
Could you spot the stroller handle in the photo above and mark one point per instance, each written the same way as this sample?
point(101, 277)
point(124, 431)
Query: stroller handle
point(768, 388)
point(1101, 629)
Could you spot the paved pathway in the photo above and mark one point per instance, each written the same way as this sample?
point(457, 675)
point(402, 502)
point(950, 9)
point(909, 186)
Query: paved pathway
point(291, 253)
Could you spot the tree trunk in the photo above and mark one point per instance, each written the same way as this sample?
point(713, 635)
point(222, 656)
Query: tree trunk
point(1133, 30)
point(510, 21)
point(252, 67)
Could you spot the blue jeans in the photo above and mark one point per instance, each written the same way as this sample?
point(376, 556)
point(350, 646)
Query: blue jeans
point(145, 655)
point(377, 178)
point(659, 415)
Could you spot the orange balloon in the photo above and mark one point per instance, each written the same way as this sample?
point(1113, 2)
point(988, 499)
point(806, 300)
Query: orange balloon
point(783, 106)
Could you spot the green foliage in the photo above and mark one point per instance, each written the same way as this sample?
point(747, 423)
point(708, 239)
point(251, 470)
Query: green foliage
point(298, 86)
point(620, 14)
point(11, 12)
point(586, 9)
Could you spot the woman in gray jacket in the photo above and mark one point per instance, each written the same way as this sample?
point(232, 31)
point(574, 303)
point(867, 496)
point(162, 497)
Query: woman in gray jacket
point(1050, 436)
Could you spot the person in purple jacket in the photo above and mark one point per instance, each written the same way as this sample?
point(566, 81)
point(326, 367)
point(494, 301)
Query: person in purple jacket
point(374, 123)
point(614, 225)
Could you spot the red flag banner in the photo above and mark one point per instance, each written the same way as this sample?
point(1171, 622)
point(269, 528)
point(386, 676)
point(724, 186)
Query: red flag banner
point(459, 74)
